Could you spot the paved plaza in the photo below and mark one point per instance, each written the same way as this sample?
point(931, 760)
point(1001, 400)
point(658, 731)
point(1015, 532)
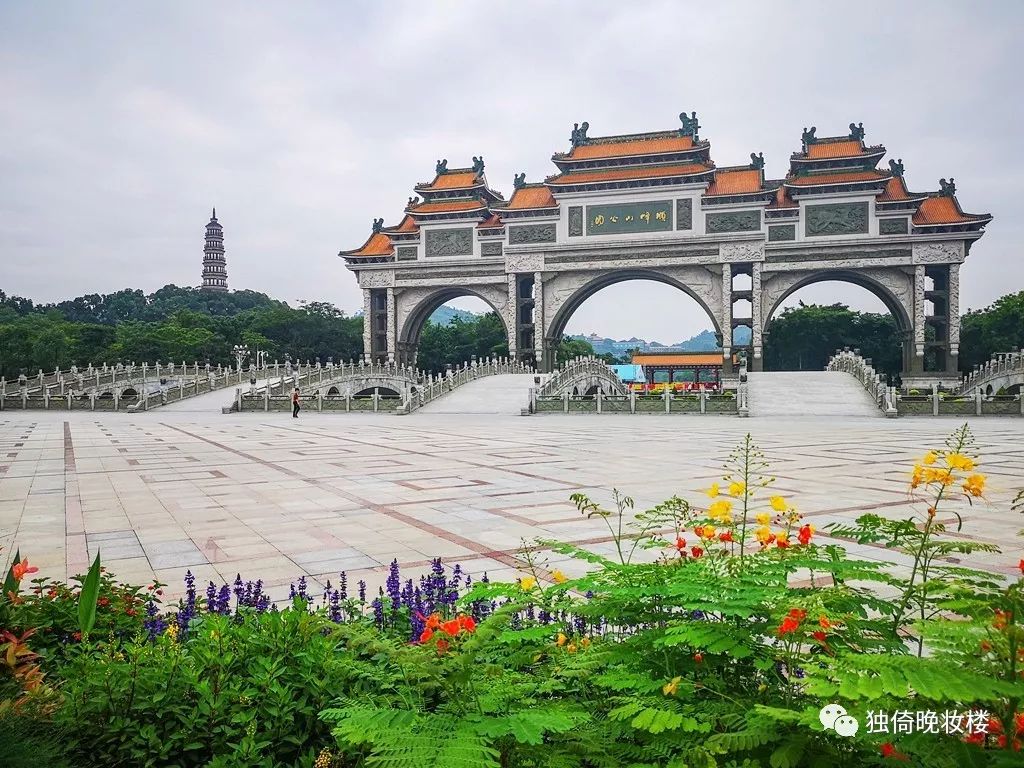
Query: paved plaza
point(275, 498)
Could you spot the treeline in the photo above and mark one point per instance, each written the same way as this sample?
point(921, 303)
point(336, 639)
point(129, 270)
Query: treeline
point(190, 324)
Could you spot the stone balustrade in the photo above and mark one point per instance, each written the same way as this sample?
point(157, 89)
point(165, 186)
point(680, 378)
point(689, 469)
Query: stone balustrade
point(852, 363)
point(1005, 368)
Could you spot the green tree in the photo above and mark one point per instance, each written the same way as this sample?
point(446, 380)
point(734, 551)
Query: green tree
point(570, 348)
point(997, 328)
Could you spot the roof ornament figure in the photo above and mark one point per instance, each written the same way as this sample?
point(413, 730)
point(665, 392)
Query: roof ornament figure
point(690, 125)
point(948, 188)
point(857, 131)
point(896, 167)
point(579, 133)
point(412, 201)
point(519, 181)
point(757, 161)
point(809, 137)
point(478, 164)
point(378, 225)
point(442, 166)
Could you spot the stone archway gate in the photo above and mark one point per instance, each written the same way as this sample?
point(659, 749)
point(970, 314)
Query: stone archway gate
point(654, 206)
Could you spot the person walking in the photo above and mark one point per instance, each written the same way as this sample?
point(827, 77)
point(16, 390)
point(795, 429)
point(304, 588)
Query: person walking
point(295, 403)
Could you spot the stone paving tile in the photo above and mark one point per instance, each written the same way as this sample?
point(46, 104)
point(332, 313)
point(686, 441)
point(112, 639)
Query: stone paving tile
point(165, 492)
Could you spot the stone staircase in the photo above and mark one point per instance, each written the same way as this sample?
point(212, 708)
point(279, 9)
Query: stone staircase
point(506, 393)
point(809, 393)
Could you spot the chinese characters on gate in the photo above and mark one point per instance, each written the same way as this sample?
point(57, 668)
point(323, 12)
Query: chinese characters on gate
point(628, 218)
point(599, 219)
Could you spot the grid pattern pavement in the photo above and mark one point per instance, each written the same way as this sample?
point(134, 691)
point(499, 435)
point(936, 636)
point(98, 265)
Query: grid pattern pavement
point(270, 497)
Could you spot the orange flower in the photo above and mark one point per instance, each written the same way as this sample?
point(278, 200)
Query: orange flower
point(726, 537)
point(696, 551)
point(22, 569)
point(1021, 565)
point(468, 623)
point(788, 626)
point(442, 646)
point(824, 622)
point(797, 614)
point(805, 533)
point(451, 628)
point(681, 544)
point(819, 636)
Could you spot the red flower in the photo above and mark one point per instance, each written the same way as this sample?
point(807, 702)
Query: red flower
point(681, 544)
point(788, 625)
point(819, 636)
point(986, 646)
point(888, 750)
point(1021, 565)
point(21, 569)
point(130, 612)
point(824, 622)
point(442, 646)
point(426, 634)
point(797, 614)
point(451, 628)
point(76, 635)
point(698, 657)
point(696, 551)
point(782, 543)
point(804, 534)
point(467, 623)
point(727, 536)
point(103, 602)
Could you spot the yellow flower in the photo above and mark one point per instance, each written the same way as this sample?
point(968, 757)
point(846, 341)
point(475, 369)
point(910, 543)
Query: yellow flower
point(929, 458)
point(917, 477)
point(571, 648)
point(705, 531)
point(737, 488)
point(670, 688)
point(763, 534)
point(721, 511)
point(960, 462)
point(974, 485)
point(559, 577)
point(763, 518)
point(585, 642)
point(778, 503)
point(782, 537)
point(561, 639)
point(713, 491)
point(526, 583)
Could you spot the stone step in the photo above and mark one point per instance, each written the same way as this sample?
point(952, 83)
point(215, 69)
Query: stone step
point(808, 393)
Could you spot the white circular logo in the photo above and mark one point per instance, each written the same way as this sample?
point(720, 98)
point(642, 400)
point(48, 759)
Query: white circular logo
point(846, 725)
point(829, 714)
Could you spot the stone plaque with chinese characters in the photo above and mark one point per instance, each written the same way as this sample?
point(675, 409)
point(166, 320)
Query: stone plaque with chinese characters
point(892, 226)
point(449, 242)
point(407, 253)
point(629, 218)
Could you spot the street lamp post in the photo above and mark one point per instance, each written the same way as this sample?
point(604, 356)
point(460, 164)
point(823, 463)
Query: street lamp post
point(241, 351)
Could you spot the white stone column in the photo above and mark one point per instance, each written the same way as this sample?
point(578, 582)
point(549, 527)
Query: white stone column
point(391, 325)
point(512, 318)
point(755, 313)
point(367, 324)
point(954, 309)
point(538, 319)
point(919, 286)
point(726, 319)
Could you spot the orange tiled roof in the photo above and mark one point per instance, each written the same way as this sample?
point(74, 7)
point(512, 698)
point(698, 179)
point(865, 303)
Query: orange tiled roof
point(835, 178)
point(532, 197)
point(735, 182)
point(941, 210)
point(494, 220)
point(783, 200)
point(407, 224)
point(379, 244)
point(446, 206)
point(627, 174)
point(692, 358)
point(895, 189)
point(632, 147)
point(456, 180)
point(822, 150)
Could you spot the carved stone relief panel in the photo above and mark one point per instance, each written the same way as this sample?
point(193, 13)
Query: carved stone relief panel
point(938, 253)
point(954, 308)
point(524, 262)
point(919, 291)
point(733, 221)
point(892, 226)
point(377, 278)
point(750, 251)
point(525, 234)
point(407, 253)
point(576, 221)
point(779, 232)
point(449, 242)
point(836, 219)
point(684, 213)
point(490, 250)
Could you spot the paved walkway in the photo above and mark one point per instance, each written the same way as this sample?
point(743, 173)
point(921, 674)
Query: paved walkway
point(809, 393)
point(506, 394)
point(267, 496)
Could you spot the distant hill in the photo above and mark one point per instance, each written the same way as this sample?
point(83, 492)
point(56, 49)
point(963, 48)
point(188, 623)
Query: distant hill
point(703, 342)
point(444, 315)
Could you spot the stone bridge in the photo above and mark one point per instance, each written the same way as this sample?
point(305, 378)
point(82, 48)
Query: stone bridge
point(1004, 372)
point(584, 376)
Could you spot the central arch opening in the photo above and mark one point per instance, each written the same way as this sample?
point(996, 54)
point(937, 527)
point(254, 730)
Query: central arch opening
point(652, 327)
point(449, 329)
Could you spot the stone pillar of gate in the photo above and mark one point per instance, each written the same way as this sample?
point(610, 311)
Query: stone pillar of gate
point(917, 360)
point(953, 320)
point(367, 325)
point(725, 321)
point(756, 331)
point(539, 324)
point(390, 335)
point(512, 315)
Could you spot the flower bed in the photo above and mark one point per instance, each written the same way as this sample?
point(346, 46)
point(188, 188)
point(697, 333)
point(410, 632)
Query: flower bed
point(745, 643)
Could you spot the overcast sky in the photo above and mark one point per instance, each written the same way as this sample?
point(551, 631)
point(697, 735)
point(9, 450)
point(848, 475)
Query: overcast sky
point(121, 124)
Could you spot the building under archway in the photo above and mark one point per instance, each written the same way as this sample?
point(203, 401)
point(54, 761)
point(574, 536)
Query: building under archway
point(656, 205)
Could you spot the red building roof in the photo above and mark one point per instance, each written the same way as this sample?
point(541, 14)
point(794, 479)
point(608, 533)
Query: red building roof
point(821, 179)
point(379, 244)
point(457, 179)
point(628, 174)
point(532, 196)
point(447, 206)
point(656, 144)
point(940, 210)
point(735, 181)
